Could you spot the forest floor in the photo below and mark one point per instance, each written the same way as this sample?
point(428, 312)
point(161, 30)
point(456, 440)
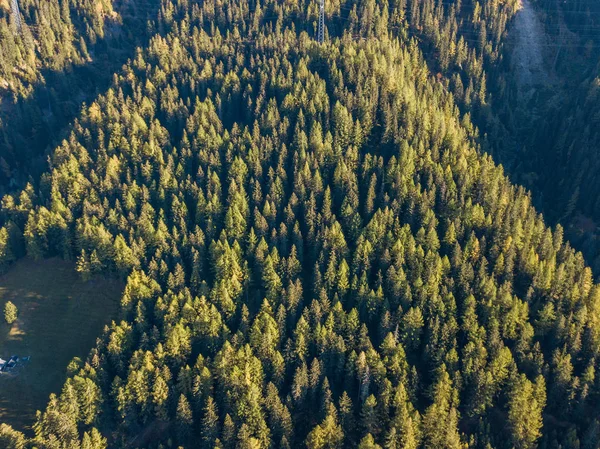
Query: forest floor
point(60, 317)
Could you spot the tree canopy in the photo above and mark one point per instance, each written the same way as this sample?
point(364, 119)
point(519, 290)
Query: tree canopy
point(318, 253)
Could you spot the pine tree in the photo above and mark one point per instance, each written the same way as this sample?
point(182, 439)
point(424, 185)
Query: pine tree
point(526, 404)
point(183, 419)
point(83, 266)
point(328, 434)
point(210, 423)
point(12, 439)
point(93, 440)
point(368, 442)
point(10, 312)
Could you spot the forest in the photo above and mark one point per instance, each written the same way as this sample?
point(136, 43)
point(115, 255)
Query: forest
point(325, 245)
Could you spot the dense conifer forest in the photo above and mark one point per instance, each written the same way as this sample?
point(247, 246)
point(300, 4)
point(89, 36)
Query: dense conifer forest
point(552, 137)
point(320, 250)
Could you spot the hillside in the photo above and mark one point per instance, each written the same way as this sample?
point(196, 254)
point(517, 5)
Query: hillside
point(60, 317)
point(546, 138)
point(318, 251)
point(63, 53)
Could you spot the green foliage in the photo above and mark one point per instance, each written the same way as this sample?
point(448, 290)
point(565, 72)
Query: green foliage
point(10, 312)
point(526, 403)
point(10, 438)
point(318, 254)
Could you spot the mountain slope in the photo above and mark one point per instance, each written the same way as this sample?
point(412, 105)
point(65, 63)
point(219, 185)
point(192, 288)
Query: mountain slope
point(317, 253)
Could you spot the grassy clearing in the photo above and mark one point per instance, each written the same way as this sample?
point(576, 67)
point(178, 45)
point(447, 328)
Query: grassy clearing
point(60, 317)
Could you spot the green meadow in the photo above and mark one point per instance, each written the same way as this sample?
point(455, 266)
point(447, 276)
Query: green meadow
point(60, 317)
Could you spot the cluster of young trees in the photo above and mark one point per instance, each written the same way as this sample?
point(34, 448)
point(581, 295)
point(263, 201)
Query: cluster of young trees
point(317, 253)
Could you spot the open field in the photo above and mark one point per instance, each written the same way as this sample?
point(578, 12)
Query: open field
point(60, 317)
